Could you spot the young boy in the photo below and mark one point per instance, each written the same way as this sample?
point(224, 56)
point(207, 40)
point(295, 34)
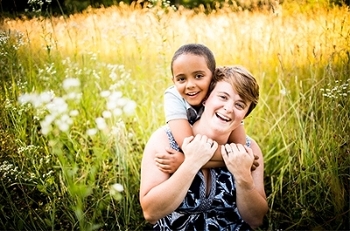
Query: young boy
point(192, 68)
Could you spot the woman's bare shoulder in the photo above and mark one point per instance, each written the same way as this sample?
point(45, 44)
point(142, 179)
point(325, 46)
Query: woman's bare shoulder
point(256, 148)
point(158, 140)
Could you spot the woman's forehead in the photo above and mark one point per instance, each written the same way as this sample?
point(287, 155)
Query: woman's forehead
point(224, 86)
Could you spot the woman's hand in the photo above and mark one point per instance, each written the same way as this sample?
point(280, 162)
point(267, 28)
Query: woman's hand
point(199, 149)
point(250, 194)
point(239, 159)
point(169, 161)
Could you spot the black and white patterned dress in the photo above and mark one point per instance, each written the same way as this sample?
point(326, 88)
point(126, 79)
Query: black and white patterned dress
point(217, 211)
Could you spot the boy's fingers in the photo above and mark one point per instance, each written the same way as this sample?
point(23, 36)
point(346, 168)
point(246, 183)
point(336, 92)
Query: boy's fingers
point(170, 150)
point(255, 164)
point(163, 166)
point(162, 161)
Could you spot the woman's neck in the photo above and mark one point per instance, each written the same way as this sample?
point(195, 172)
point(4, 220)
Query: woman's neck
point(200, 127)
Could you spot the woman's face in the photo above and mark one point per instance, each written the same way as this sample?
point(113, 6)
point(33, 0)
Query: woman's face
point(224, 108)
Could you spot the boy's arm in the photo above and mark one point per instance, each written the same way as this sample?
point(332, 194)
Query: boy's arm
point(170, 160)
point(180, 128)
point(238, 136)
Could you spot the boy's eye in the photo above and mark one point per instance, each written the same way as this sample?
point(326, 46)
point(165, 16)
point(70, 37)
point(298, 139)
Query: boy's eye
point(181, 79)
point(198, 76)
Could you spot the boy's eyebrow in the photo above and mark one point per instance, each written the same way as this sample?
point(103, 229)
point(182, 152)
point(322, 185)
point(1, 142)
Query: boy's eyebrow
point(179, 75)
point(194, 72)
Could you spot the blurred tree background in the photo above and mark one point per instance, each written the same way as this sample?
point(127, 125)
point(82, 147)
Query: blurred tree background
point(19, 8)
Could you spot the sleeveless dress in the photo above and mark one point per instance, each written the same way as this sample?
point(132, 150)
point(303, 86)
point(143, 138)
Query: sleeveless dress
point(198, 211)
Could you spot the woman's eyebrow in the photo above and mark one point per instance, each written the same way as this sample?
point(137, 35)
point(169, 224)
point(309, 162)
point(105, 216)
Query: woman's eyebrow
point(223, 92)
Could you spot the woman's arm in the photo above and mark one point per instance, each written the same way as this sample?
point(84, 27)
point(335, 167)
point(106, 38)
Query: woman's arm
point(161, 193)
point(180, 128)
point(250, 192)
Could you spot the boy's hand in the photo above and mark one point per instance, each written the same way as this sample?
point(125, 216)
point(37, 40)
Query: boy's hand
point(169, 161)
point(255, 163)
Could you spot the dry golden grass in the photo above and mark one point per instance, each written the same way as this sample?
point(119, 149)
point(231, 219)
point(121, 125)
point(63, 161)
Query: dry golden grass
point(245, 37)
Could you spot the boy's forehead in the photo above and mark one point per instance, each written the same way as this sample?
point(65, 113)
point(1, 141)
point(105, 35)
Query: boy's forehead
point(190, 62)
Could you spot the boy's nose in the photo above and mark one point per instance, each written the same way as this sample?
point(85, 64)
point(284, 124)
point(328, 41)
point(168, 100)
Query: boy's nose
point(190, 84)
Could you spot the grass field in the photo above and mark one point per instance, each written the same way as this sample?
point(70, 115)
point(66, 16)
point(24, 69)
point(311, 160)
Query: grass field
point(81, 95)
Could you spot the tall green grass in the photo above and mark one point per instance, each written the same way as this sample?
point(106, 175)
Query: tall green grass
point(69, 179)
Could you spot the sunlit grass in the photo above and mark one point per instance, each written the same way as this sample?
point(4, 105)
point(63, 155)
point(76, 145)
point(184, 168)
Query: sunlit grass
point(62, 177)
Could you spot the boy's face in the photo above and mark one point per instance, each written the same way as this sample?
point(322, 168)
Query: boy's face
point(192, 77)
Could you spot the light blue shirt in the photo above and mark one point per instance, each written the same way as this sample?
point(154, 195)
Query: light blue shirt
point(176, 107)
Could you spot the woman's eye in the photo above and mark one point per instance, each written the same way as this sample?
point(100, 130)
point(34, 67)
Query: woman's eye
point(240, 106)
point(223, 96)
point(199, 76)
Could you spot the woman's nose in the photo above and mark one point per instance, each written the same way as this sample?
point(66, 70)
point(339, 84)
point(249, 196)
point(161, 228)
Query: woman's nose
point(228, 107)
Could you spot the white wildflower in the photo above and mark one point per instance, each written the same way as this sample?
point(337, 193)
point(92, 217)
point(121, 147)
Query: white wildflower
point(111, 105)
point(63, 126)
point(91, 132)
point(71, 83)
point(117, 187)
point(101, 123)
point(117, 112)
point(48, 120)
point(105, 94)
point(113, 76)
point(45, 128)
point(129, 108)
point(74, 113)
point(73, 96)
point(283, 92)
point(66, 118)
point(57, 106)
point(106, 114)
point(115, 96)
point(122, 102)
point(25, 98)
point(47, 96)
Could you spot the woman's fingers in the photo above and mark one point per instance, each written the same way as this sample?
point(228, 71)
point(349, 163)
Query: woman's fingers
point(199, 150)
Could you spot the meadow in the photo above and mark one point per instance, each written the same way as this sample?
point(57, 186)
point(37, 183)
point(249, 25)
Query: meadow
point(81, 95)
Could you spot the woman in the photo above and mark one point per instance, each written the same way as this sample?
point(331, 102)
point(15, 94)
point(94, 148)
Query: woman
point(194, 198)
